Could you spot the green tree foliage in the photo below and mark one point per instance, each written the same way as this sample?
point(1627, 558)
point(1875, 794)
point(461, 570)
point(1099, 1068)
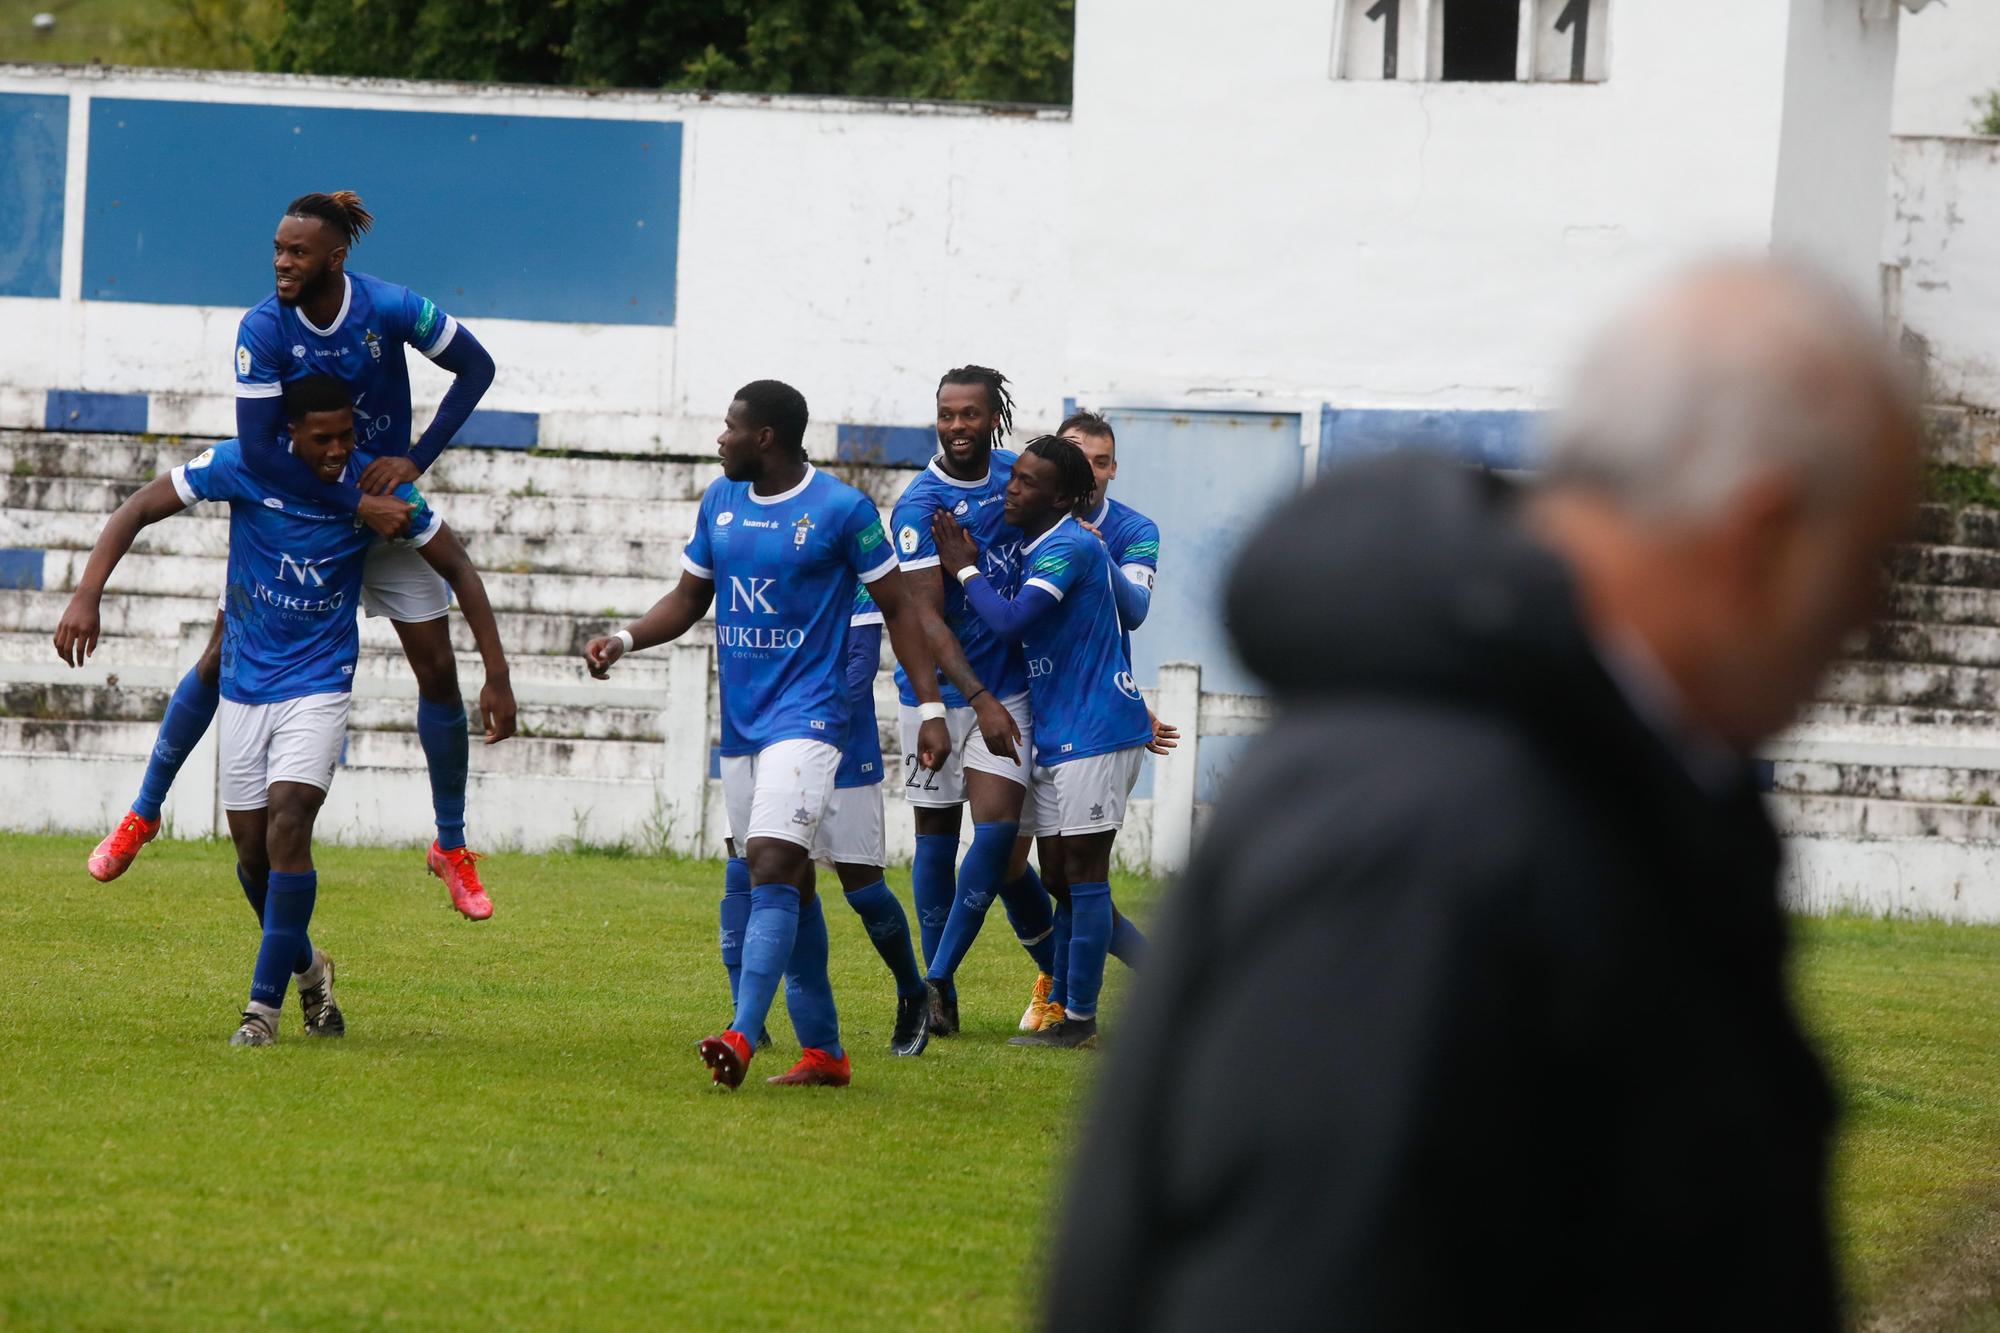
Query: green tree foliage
point(1986, 113)
point(990, 50)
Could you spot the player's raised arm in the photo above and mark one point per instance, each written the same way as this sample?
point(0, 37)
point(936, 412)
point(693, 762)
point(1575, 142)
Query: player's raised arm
point(1008, 616)
point(76, 632)
point(442, 549)
point(450, 346)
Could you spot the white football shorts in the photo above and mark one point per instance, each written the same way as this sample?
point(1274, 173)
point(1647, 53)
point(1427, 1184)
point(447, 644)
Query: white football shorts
point(293, 740)
point(782, 791)
point(946, 787)
point(1085, 795)
point(852, 834)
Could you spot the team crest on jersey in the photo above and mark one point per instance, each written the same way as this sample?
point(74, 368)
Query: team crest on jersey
point(907, 540)
point(374, 344)
point(959, 511)
point(801, 529)
point(242, 359)
point(725, 518)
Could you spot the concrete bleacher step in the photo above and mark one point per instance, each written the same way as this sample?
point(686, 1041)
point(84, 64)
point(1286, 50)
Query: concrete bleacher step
point(136, 459)
point(1912, 684)
point(33, 716)
point(204, 533)
point(1861, 818)
point(1881, 780)
point(1958, 525)
point(1945, 566)
point(1942, 606)
point(564, 594)
point(1933, 724)
point(1925, 641)
point(1962, 437)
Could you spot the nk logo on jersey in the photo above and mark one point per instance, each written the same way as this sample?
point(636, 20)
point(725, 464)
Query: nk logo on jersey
point(305, 571)
point(748, 595)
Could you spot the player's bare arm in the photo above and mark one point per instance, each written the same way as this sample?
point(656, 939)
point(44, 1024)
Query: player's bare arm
point(446, 554)
point(911, 638)
point(925, 589)
point(672, 616)
point(76, 632)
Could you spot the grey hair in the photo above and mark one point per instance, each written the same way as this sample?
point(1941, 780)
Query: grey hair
point(1740, 371)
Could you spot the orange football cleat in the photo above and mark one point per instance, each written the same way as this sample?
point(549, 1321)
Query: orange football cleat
point(120, 847)
point(459, 870)
point(727, 1057)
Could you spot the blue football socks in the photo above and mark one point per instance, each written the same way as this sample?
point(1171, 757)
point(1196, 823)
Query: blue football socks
point(189, 712)
point(1128, 942)
point(768, 939)
point(808, 990)
point(257, 891)
point(1059, 991)
point(978, 879)
point(288, 909)
point(933, 883)
point(735, 913)
point(1032, 914)
point(881, 912)
point(1089, 945)
point(445, 736)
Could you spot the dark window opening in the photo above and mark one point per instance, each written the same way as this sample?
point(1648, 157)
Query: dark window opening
point(1481, 38)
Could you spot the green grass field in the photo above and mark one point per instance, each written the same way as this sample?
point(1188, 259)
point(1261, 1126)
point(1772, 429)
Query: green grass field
point(517, 1132)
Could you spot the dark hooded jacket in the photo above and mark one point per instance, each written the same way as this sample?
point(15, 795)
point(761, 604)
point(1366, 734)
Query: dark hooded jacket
point(1471, 1009)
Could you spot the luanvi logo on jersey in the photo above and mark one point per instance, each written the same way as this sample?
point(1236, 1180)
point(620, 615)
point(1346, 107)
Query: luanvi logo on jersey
point(1126, 685)
point(306, 571)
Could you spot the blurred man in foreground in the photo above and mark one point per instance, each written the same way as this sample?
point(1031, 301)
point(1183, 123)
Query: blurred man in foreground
point(1471, 1010)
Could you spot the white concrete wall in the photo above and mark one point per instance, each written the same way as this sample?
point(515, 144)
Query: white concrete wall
point(1833, 156)
point(856, 249)
point(1246, 225)
point(1944, 229)
point(1950, 55)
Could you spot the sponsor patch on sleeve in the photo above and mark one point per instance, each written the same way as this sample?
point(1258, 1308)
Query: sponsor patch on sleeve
point(427, 318)
point(907, 540)
point(202, 459)
point(871, 536)
point(243, 359)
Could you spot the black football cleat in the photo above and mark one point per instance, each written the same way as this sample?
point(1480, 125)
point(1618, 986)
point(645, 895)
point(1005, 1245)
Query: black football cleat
point(943, 1010)
point(1066, 1034)
point(913, 1025)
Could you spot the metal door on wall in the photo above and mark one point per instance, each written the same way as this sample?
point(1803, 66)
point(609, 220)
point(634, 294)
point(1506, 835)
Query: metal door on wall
point(1207, 478)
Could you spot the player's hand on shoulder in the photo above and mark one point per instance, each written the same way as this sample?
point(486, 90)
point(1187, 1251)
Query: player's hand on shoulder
point(386, 515)
point(601, 652)
point(385, 474)
point(954, 547)
point(997, 727)
point(497, 709)
point(1166, 736)
point(76, 632)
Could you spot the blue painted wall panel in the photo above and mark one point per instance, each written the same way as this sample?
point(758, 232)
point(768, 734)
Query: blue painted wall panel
point(491, 429)
point(906, 446)
point(34, 166)
point(1496, 439)
point(20, 568)
point(74, 409)
point(517, 217)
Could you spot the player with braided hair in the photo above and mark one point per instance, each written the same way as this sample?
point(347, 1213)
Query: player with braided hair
point(325, 320)
point(989, 714)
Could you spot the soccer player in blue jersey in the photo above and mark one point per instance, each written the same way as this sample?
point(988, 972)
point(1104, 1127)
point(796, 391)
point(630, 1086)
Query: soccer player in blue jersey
point(991, 722)
point(289, 649)
point(1091, 726)
point(786, 543)
point(1133, 542)
point(852, 839)
point(324, 320)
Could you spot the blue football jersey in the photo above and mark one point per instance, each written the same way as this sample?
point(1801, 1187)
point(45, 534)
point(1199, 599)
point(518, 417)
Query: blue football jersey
point(784, 568)
point(1081, 687)
point(1133, 542)
point(363, 349)
point(861, 754)
point(977, 506)
point(294, 580)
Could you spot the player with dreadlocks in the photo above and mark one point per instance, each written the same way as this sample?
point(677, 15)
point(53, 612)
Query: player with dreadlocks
point(324, 320)
point(990, 720)
point(1058, 604)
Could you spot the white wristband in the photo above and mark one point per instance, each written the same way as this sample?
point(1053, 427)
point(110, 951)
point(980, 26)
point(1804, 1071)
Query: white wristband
point(966, 575)
point(624, 636)
point(935, 712)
